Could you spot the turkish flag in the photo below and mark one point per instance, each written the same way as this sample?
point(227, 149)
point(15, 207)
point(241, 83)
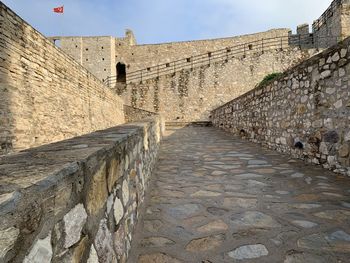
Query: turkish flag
point(58, 9)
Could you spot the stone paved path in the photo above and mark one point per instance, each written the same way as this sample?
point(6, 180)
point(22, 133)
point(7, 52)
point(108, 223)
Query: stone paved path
point(216, 198)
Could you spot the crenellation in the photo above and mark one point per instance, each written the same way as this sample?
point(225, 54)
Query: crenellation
point(303, 29)
point(333, 23)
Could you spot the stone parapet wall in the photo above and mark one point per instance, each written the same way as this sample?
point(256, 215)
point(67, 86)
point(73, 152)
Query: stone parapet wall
point(143, 56)
point(190, 95)
point(77, 200)
point(45, 95)
point(305, 112)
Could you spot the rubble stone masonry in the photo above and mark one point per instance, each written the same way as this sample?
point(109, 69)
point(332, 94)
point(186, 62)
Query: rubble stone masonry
point(79, 199)
point(45, 95)
point(305, 112)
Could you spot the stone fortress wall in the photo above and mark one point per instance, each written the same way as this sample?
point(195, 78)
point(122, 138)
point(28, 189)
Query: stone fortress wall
point(189, 95)
point(331, 27)
point(192, 93)
point(45, 96)
point(305, 112)
point(102, 62)
point(144, 56)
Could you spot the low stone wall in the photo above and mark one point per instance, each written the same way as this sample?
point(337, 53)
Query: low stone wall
point(190, 95)
point(45, 95)
point(135, 114)
point(77, 200)
point(305, 112)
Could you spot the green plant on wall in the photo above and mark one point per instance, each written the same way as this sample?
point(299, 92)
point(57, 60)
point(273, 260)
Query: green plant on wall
point(269, 78)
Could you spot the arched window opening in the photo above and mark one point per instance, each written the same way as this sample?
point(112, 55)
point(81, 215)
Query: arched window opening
point(121, 72)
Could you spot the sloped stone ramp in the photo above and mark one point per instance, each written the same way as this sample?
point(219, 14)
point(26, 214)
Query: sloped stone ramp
point(216, 198)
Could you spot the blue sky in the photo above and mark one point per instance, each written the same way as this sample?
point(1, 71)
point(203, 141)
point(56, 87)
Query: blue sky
point(157, 21)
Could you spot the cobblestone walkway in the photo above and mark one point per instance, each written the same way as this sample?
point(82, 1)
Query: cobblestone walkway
point(216, 198)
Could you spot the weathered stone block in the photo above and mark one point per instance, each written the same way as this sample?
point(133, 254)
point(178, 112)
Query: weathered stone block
point(62, 198)
point(97, 191)
point(335, 57)
point(114, 173)
point(8, 239)
point(331, 136)
point(344, 150)
point(41, 251)
point(73, 224)
point(326, 74)
point(338, 104)
point(119, 241)
point(93, 258)
point(104, 244)
point(301, 109)
point(323, 148)
point(343, 52)
point(74, 255)
point(125, 192)
point(118, 210)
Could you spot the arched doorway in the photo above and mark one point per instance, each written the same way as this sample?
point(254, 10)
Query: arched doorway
point(121, 72)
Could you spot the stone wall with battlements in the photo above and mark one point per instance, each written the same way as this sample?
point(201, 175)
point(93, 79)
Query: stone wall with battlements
point(45, 95)
point(79, 200)
point(334, 22)
point(143, 56)
point(190, 95)
point(305, 112)
point(100, 55)
point(97, 54)
point(330, 28)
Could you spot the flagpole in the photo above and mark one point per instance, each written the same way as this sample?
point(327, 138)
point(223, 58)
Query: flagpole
point(62, 20)
point(60, 11)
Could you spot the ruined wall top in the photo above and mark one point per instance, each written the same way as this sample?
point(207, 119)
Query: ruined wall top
point(333, 9)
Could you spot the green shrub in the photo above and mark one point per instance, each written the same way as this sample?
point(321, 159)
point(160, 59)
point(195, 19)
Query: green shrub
point(269, 78)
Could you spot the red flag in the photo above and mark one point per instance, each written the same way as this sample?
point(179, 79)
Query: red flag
point(58, 9)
